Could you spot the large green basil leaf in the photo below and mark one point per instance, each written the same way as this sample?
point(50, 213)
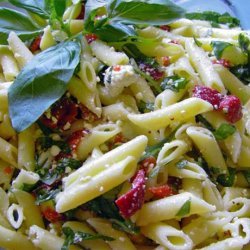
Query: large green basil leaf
point(42, 82)
point(35, 6)
point(12, 20)
point(219, 47)
point(152, 12)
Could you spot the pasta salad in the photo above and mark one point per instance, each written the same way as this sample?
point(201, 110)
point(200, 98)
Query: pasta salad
point(123, 125)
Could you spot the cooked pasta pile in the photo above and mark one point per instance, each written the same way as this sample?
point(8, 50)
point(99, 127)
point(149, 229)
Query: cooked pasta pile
point(117, 133)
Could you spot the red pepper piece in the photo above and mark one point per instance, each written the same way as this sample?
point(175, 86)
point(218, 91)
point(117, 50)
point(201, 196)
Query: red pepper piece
point(231, 107)
point(133, 200)
point(50, 214)
point(91, 37)
point(210, 95)
point(35, 45)
point(165, 61)
point(162, 191)
point(8, 170)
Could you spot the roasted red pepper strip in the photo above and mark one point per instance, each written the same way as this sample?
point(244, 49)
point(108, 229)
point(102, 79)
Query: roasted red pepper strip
point(51, 215)
point(162, 191)
point(133, 200)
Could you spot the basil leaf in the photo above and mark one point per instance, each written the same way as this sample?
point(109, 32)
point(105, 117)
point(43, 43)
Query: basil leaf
point(185, 208)
point(22, 25)
point(227, 180)
point(47, 195)
point(214, 18)
point(115, 31)
point(42, 82)
point(181, 164)
point(174, 83)
point(92, 5)
point(74, 237)
point(125, 226)
point(35, 6)
point(224, 131)
point(152, 12)
point(28, 187)
point(219, 47)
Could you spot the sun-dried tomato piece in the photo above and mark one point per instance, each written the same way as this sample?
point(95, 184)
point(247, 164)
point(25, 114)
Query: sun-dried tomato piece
point(155, 73)
point(75, 138)
point(231, 107)
point(50, 214)
point(210, 95)
point(162, 191)
point(132, 201)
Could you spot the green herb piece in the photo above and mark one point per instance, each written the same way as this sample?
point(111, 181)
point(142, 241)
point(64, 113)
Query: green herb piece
point(35, 6)
point(214, 18)
point(145, 107)
point(185, 208)
point(155, 149)
point(181, 164)
point(225, 130)
point(105, 207)
point(41, 83)
point(197, 42)
point(125, 226)
point(246, 174)
point(28, 187)
point(140, 12)
point(50, 176)
point(46, 195)
point(175, 83)
point(219, 47)
point(22, 25)
point(227, 180)
point(74, 237)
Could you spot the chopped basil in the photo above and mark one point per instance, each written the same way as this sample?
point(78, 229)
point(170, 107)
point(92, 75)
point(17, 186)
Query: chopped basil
point(46, 195)
point(28, 187)
point(105, 207)
point(181, 164)
point(74, 237)
point(185, 208)
point(175, 83)
point(242, 72)
point(227, 180)
point(225, 130)
point(46, 142)
point(145, 107)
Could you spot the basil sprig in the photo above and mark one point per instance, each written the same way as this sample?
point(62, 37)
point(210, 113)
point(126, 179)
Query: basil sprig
point(42, 82)
point(117, 17)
